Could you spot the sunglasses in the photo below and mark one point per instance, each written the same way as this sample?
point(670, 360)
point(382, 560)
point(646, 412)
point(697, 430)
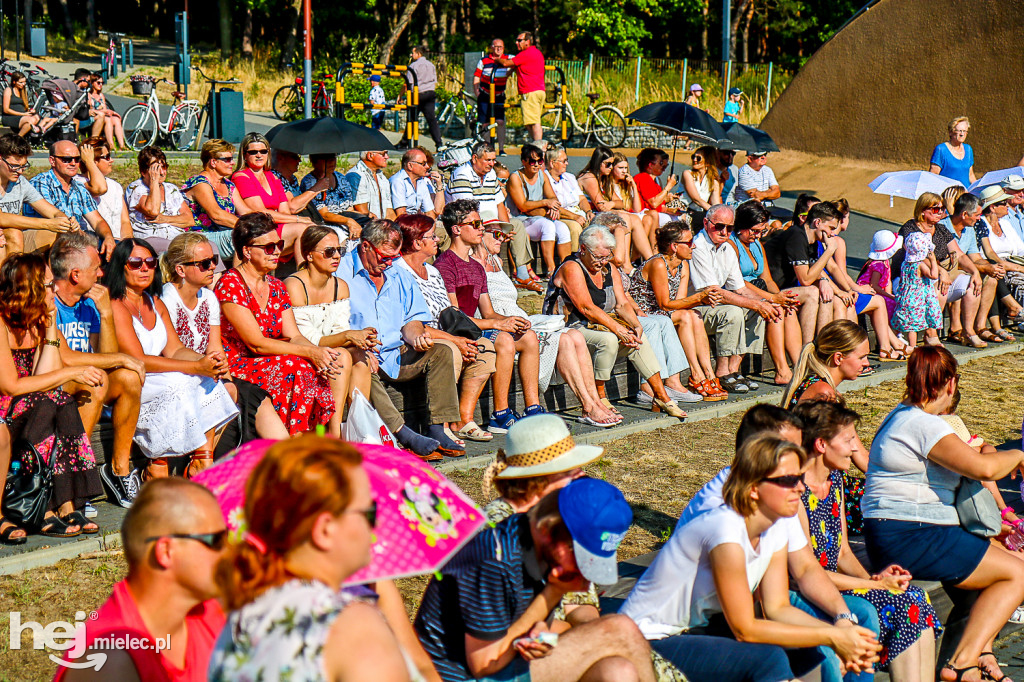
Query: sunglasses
point(698, 158)
point(271, 248)
point(330, 252)
point(136, 262)
point(225, 159)
point(718, 227)
point(256, 152)
point(214, 541)
point(534, 162)
point(205, 264)
point(428, 236)
point(51, 285)
point(103, 157)
point(496, 233)
point(475, 224)
point(383, 258)
point(69, 159)
point(370, 513)
point(938, 209)
point(502, 181)
point(788, 482)
point(686, 242)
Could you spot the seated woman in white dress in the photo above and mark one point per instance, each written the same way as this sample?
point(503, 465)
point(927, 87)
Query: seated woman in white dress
point(188, 266)
point(320, 303)
point(560, 348)
point(184, 404)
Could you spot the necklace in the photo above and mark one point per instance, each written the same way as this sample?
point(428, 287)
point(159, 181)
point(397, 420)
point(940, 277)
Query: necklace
point(138, 308)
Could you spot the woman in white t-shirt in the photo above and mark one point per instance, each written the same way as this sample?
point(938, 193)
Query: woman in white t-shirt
point(187, 267)
point(915, 466)
point(157, 208)
point(695, 603)
point(108, 192)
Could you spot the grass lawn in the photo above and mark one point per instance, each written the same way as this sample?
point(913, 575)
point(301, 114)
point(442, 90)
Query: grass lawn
point(657, 471)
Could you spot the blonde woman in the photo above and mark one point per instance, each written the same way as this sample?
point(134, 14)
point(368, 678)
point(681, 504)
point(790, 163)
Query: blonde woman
point(213, 197)
point(619, 189)
point(701, 181)
point(955, 159)
point(949, 197)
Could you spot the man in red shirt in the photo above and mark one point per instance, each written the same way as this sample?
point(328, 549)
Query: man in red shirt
point(489, 70)
point(173, 536)
point(653, 197)
point(529, 65)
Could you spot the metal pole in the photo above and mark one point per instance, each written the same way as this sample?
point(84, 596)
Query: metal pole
point(768, 93)
point(728, 81)
point(131, 54)
point(686, 67)
point(2, 55)
point(307, 60)
point(590, 70)
point(123, 54)
point(726, 21)
point(636, 94)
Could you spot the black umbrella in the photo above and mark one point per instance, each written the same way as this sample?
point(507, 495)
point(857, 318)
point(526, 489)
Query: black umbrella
point(326, 136)
point(749, 138)
point(680, 118)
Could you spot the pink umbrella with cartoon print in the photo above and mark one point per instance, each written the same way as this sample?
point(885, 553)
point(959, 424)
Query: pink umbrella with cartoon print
point(423, 519)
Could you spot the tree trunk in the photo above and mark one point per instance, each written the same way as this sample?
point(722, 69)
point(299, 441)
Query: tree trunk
point(290, 43)
point(746, 33)
point(396, 32)
point(247, 33)
point(225, 28)
point(704, 30)
point(90, 18)
point(27, 11)
point(738, 14)
point(69, 31)
point(536, 22)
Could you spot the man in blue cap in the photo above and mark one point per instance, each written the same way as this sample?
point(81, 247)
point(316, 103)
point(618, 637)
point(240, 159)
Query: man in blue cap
point(734, 107)
point(486, 617)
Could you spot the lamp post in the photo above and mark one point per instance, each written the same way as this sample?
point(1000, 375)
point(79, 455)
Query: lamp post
point(307, 61)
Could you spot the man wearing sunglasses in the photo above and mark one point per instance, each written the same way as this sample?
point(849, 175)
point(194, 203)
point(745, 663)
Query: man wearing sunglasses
point(389, 300)
point(58, 187)
point(16, 191)
point(373, 191)
point(417, 188)
point(173, 538)
point(738, 322)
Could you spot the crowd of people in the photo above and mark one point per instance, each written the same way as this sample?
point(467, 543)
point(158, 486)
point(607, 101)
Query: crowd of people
point(252, 301)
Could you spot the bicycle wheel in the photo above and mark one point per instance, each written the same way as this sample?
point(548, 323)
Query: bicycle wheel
point(183, 126)
point(140, 127)
point(285, 102)
point(551, 126)
point(609, 126)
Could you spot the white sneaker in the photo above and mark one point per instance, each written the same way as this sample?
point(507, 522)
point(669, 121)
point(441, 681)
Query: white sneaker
point(90, 511)
point(1018, 615)
point(683, 396)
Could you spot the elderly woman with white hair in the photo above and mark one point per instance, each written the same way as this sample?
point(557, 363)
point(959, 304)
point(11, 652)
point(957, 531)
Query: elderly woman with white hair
point(588, 289)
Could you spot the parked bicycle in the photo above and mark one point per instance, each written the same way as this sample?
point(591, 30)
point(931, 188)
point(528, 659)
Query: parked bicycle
point(290, 99)
point(208, 107)
point(606, 123)
point(457, 116)
point(142, 124)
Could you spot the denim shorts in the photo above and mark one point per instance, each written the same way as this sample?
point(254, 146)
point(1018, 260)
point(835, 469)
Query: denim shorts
point(516, 671)
point(929, 551)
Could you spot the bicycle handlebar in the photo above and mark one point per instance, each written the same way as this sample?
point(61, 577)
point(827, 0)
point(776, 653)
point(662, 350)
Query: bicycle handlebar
point(214, 81)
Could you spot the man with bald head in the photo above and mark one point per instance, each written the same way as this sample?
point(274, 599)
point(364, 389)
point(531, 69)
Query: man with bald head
point(58, 187)
point(173, 537)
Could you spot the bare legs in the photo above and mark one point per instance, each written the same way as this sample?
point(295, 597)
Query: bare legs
point(123, 391)
point(574, 364)
point(340, 384)
point(693, 337)
point(268, 422)
point(916, 663)
point(528, 348)
point(808, 311)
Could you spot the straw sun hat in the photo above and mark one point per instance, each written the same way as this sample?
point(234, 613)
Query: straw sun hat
point(541, 445)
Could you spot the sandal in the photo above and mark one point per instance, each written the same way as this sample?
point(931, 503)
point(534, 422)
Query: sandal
point(54, 527)
point(707, 390)
point(77, 518)
point(959, 672)
point(590, 421)
point(975, 341)
point(201, 460)
point(986, 674)
point(12, 528)
point(472, 431)
point(670, 408)
point(956, 337)
point(1005, 335)
point(990, 336)
point(607, 403)
point(157, 468)
point(892, 355)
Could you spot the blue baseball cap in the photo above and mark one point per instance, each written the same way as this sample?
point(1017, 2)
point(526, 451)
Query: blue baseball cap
point(375, 79)
point(598, 517)
point(735, 91)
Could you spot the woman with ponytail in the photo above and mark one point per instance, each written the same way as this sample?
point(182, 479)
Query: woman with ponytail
point(310, 516)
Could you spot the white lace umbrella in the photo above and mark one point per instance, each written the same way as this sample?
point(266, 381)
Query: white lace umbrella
point(909, 184)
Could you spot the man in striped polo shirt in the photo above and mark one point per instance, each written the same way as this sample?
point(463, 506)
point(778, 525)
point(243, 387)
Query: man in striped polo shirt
point(490, 70)
point(485, 618)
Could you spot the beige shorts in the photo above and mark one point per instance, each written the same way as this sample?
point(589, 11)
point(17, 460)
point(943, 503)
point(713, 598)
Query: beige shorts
point(533, 107)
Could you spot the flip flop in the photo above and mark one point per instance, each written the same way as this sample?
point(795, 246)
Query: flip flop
point(590, 421)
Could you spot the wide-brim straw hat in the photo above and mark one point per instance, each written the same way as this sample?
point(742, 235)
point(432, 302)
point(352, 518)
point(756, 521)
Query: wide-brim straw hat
point(541, 445)
point(992, 195)
point(884, 245)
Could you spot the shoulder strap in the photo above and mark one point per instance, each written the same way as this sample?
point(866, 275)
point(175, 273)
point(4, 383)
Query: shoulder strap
point(305, 291)
point(335, 288)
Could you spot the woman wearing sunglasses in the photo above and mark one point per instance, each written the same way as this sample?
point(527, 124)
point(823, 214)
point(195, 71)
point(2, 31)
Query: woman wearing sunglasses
point(321, 309)
point(188, 270)
point(310, 514)
point(659, 287)
point(262, 191)
point(531, 196)
point(113, 130)
point(213, 197)
point(39, 416)
point(264, 345)
point(183, 404)
point(701, 182)
point(695, 603)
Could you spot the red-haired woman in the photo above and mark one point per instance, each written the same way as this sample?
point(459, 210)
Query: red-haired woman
point(310, 514)
point(916, 465)
point(39, 415)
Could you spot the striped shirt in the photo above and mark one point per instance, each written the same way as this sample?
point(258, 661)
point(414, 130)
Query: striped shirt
point(488, 69)
point(466, 184)
point(483, 590)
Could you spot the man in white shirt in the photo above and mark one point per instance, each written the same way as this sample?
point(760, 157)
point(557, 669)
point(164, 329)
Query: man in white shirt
point(373, 192)
point(756, 180)
point(736, 311)
point(476, 180)
point(415, 188)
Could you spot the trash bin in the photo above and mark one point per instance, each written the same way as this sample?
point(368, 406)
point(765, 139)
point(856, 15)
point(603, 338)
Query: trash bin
point(37, 40)
point(227, 116)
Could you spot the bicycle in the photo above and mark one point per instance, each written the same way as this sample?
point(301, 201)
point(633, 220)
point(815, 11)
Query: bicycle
point(289, 99)
point(459, 111)
point(205, 115)
point(143, 127)
point(606, 123)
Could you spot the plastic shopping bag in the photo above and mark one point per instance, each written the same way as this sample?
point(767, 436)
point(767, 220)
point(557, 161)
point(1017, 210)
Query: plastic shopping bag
point(364, 425)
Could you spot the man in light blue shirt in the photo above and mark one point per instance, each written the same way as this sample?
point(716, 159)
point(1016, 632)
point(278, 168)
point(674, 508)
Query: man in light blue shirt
point(413, 190)
point(389, 300)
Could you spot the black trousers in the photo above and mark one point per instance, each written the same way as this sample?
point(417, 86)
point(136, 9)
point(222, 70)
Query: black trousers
point(427, 108)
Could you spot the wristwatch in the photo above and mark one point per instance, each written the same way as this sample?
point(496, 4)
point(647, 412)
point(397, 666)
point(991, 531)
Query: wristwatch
point(55, 343)
point(852, 617)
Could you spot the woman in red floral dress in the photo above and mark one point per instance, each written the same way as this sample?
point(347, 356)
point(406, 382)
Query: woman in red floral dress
point(263, 344)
